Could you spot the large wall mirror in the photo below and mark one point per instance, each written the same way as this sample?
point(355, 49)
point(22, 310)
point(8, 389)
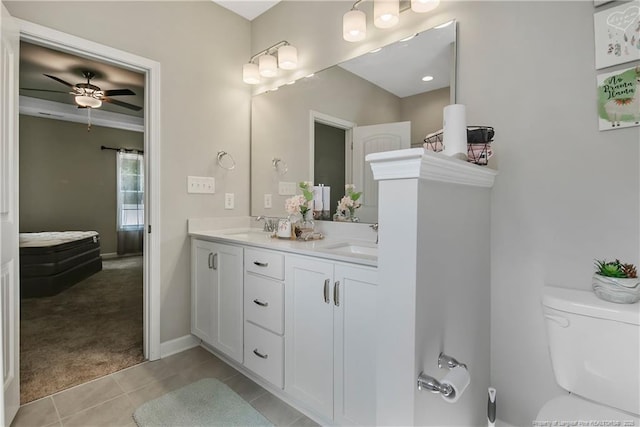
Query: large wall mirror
point(320, 128)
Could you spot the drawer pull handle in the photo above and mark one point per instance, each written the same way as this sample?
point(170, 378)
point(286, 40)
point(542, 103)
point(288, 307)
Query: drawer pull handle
point(260, 303)
point(336, 293)
point(260, 355)
point(215, 261)
point(326, 291)
point(261, 264)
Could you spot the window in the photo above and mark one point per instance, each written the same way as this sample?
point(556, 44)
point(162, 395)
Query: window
point(130, 172)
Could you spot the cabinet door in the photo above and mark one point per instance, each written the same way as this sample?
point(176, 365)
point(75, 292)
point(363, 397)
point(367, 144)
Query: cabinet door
point(227, 300)
point(202, 290)
point(309, 333)
point(355, 345)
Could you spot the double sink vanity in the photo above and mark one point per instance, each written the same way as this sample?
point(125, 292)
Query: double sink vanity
point(298, 317)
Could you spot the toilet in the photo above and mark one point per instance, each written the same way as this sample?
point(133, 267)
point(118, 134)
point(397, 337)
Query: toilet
point(595, 353)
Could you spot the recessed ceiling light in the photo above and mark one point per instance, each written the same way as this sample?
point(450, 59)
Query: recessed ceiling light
point(375, 50)
point(427, 78)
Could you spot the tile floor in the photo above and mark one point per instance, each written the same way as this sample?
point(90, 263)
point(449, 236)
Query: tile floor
point(111, 400)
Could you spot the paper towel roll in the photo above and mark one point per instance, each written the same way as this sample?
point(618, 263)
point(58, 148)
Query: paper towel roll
point(458, 378)
point(454, 131)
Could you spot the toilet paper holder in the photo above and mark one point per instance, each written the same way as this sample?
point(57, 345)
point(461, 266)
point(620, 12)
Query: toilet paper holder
point(431, 384)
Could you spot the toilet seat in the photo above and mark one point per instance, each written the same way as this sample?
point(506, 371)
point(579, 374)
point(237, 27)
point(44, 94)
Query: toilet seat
point(573, 408)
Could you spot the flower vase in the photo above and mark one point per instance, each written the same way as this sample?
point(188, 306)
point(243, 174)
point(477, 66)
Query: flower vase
point(615, 289)
point(352, 215)
point(305, 225)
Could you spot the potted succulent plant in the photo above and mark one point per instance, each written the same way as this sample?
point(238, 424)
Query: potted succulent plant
point(615, 281)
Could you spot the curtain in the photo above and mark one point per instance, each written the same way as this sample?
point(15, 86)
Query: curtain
point(130, 207)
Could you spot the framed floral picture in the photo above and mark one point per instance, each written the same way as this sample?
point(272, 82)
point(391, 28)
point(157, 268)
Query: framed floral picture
point(619, 98)
point(617, 34)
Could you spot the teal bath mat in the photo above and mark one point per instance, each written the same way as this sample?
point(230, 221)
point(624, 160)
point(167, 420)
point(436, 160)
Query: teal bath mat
point(207, 402)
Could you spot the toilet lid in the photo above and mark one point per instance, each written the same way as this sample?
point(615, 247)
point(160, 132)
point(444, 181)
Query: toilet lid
point(573, 408)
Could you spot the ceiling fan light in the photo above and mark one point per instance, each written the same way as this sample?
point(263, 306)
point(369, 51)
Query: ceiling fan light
point(354, 26)
point(386, 13)
point(268, 66)
point(88, 101)
point(250, 74)
point(288, 57)
point(422, 6)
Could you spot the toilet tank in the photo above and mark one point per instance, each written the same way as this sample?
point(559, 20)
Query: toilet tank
point(594, 346)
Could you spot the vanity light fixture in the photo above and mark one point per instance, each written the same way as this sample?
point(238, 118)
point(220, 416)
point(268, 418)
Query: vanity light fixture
point(267, 65)
point(386, 14)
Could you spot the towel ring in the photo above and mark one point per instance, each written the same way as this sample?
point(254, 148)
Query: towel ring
point(225, 161)
point(279, 165)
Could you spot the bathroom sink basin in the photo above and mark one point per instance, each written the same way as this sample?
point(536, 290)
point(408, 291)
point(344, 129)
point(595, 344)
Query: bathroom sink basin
point(354, 249)
point(247, 234)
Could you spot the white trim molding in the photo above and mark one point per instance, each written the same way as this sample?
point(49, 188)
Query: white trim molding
point(55, 39)
point(428, 165)
point(177, 345)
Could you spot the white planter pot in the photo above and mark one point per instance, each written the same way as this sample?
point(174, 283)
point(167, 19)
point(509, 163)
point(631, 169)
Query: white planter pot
point(618, 290)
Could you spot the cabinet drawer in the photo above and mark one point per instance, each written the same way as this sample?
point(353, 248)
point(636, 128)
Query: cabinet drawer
point(264, 354)
point(264, 302)
point(267, 263)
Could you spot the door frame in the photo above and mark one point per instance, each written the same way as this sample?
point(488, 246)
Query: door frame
point(347, 126)
point(58, 40)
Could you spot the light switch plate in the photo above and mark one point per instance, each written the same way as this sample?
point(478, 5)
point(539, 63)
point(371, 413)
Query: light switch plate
point(268, 202)
point(286, 188)
point(229, 200)
point(201, 184)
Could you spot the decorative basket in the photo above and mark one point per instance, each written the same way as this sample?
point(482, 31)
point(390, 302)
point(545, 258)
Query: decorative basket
point(479, 140)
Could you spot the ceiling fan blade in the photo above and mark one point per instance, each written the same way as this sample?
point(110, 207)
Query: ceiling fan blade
point(116, 92)
point(59, 80)
point(43, 90)
point(122, 104)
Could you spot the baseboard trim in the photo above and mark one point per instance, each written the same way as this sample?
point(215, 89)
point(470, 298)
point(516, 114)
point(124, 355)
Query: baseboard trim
point(177, 345)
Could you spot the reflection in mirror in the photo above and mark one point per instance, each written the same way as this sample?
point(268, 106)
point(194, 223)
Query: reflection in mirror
point(322, 126)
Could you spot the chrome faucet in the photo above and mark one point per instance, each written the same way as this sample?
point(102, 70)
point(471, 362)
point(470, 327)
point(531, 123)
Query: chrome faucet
point(375, 228)
point(270, 224)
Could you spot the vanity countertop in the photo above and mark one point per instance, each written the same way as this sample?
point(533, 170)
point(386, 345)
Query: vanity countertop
point(338, 249)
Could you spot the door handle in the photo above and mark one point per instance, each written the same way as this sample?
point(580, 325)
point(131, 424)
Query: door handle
point(215, 261)
point(260, 303)
point(336, 293)
point(326, 291)
point(260, 355)
point(209, 260)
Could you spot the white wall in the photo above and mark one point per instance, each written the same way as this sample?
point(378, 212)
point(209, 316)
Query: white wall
point(205, 108)
point(526, 68)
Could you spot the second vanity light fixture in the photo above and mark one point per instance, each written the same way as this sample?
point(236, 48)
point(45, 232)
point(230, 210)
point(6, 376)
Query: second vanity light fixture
point(267, 64)
point(386, 14)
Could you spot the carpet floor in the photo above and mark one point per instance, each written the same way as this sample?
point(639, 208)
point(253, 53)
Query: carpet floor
point(90, 330)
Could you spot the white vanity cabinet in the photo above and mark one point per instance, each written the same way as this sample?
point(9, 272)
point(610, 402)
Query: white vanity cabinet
point(216, 296)
point(330, 338)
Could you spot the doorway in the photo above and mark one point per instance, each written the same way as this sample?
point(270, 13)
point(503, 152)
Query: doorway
point(37, 34)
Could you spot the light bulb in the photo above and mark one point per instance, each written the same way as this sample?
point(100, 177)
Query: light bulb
point(288, 57)
point(250, 74)
point(354, 26)
point(88, 101)
point(422, 6)
point(386, 13)
point(268, 66)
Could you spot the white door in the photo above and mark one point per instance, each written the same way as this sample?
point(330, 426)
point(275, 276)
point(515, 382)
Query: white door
point(9, 253)
point(227, 262)
point(355, 339)
point(309, 333)
point(202, 290)
point(374, 139)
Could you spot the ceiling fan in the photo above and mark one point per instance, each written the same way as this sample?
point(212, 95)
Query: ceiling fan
point(88, 95)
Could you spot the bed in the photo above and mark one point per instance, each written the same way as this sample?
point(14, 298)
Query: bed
point(51, 262)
